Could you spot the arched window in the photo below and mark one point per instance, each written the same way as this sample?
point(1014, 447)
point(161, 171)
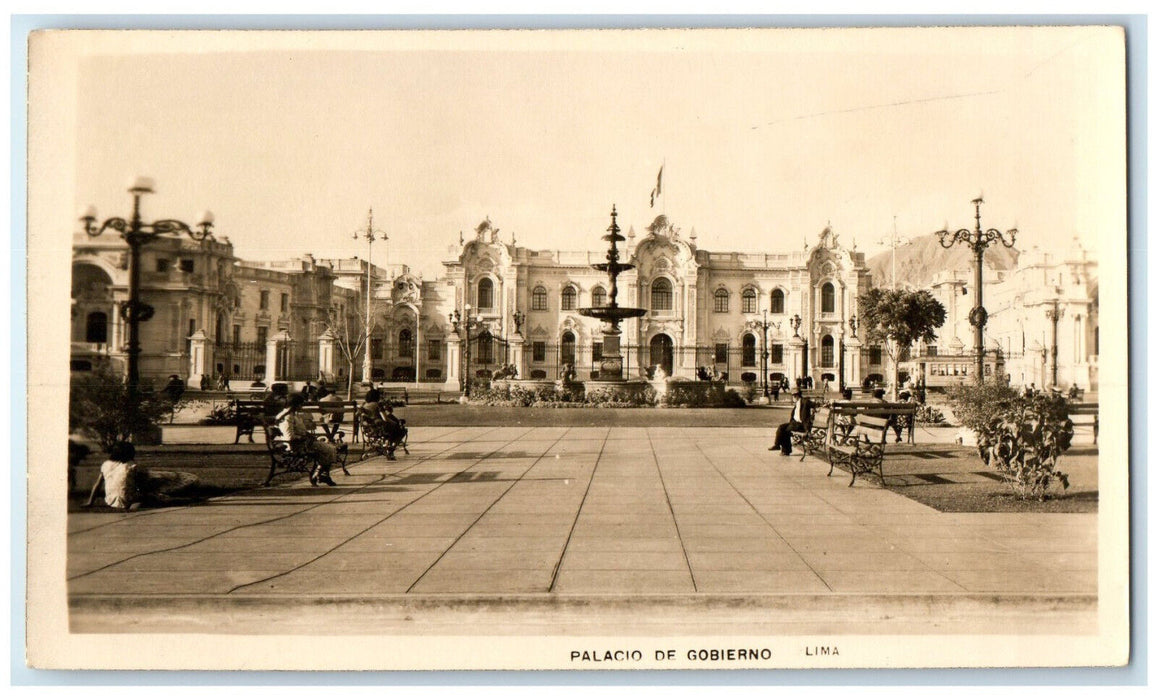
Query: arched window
point(567, 299)
point(720, 301)
point(827, 351)
point(598, 297)
point(827, 298)
point(486, 293)
point(777, 301)
point(539, 299)
point(567, 349)
point(405, 343)
point(749, 301)
point(748, 356)
point(96, 328)
point(661, 295)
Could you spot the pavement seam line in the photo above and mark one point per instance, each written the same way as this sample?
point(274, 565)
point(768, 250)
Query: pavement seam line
point(488, 508)
point(761, 515)
point(671, 509)
point(571, 532)
point(235, 528)
point(379, 522)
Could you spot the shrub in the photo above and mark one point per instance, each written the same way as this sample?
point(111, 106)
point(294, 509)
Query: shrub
point(99, 408)
point(749, 391)
point(732, 399)
point(974, 404)
point(220, 415)
point(1023, 440)
point(929, 414)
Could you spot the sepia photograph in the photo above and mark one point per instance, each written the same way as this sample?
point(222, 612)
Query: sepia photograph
point(560, 349)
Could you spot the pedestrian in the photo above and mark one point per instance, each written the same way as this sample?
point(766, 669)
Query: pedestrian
point(128, 486)
point(297, 432)
point(799, 420)
point(776, 390)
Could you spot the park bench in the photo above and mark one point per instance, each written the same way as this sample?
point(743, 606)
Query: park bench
point(862, 450)
point(329, 415)
point(900, 413)
point(817, 437)
point(296, 458)
point(1085, 409)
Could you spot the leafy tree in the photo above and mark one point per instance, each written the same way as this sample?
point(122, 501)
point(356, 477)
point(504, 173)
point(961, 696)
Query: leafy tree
point(99, 408)
point(898, 318)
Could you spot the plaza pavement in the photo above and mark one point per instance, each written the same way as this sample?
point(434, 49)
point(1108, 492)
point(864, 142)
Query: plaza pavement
point(509, 529)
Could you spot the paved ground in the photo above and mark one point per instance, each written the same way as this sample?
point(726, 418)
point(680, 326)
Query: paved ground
point(566, 528)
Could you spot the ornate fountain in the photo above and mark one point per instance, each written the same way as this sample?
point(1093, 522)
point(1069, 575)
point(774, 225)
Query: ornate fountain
point(611, 365)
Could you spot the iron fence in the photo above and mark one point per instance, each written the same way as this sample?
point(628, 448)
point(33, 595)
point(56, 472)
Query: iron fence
point(244, 361)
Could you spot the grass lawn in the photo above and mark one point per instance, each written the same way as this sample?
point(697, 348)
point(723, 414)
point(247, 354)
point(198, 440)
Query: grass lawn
point(954, 479)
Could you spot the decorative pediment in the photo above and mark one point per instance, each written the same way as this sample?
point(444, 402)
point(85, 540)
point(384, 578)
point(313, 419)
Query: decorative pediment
point(721, 335)
point(539, 332)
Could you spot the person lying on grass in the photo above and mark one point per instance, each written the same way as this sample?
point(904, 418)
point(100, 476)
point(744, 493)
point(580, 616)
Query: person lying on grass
point(128, 486)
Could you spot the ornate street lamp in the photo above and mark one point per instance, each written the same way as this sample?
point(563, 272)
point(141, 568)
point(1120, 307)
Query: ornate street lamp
point(467, 322)
point(763, 327)
point(371, 234)
point(1054, 314)
point(138, 233)
point(978, 240)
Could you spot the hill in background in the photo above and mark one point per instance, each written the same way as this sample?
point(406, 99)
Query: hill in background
point(919, 260)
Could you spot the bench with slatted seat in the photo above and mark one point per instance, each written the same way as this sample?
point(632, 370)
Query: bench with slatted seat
point(817, 437)
point(862, 450)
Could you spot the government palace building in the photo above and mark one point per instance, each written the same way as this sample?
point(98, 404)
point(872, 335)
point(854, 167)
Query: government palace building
point(735, 315)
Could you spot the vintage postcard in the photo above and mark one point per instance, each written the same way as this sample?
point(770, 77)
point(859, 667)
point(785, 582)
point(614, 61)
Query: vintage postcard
point(624, 349)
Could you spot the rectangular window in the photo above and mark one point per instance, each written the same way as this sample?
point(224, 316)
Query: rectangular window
point(284, 303)
point(539, 299)
point(434, 350)
point(263, 302)
point(538, 351)
point(721, 303)
point(721, 353)
point(596, 352)
point(875, 355)
point(931, 351)
point(376, 348)
point(164, 264)
point(777, 354)
point(262, 335)
point(237, 335)
point(186, 264)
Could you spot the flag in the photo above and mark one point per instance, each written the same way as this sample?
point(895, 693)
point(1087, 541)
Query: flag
point(658, 186)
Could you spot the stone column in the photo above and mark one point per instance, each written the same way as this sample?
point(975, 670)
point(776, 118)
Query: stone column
point(517, 355)
point(326, 354)
point(797, 351)
point(453, 360)
point(852, 362)
point(273, 346)
point(197, 359)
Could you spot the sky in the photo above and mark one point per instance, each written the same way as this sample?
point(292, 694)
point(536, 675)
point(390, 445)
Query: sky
point(765, 137)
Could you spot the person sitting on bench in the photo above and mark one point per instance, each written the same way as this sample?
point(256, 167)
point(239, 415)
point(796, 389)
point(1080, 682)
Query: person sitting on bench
point(800, 420)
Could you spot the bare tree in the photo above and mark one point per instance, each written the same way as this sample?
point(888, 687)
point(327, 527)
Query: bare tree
point(350, 337)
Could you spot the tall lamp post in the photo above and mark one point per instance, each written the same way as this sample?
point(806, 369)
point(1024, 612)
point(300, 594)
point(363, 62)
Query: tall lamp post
point(371, 234)
point(763, 327)
point(137, 234)
point(467, 322)
point(1054, 314)
point(978, 240)
point(852, 324)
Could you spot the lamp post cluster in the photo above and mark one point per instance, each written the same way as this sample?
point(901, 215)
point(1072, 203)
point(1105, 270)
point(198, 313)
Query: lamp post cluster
point(467, 323)
point(763, 326)
point(137, 233)
point(371, 234)
point(978, 240)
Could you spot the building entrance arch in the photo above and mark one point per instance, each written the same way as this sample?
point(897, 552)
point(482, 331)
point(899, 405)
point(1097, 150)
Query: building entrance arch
point(661, 352)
